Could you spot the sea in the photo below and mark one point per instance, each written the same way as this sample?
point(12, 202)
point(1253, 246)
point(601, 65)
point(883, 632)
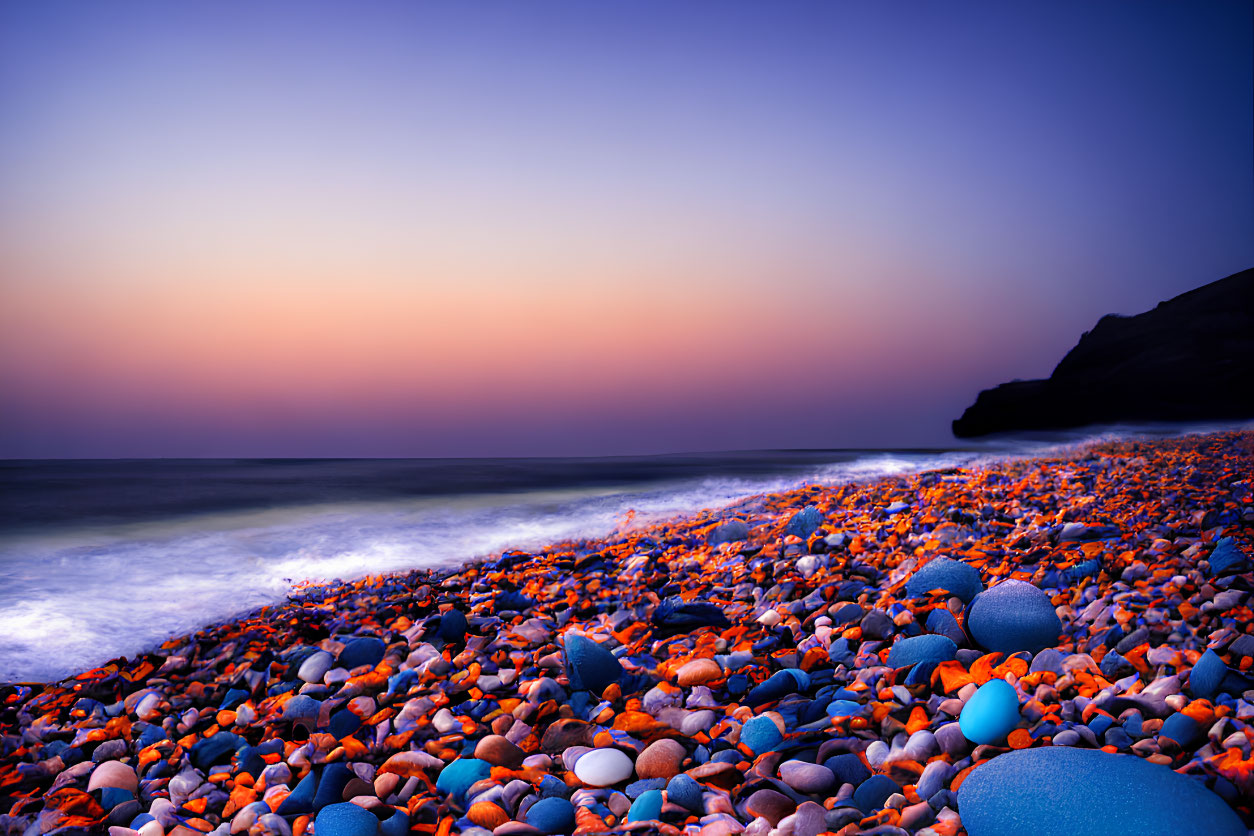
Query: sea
point(107, 558)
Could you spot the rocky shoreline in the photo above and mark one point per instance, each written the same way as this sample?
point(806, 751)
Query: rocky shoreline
point(1036, 647)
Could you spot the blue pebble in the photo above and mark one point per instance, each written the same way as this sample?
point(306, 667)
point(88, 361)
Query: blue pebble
point(925, 648)
point(1100, 723)
point(1181, 728)
point(453, 626)
point(217, 749)
point(686, 792)
point(363, 650)
point(460, 775)
point(953, 576)
point(991, 713)
point(1207, 675)
point(1066, 791)
point(638, 788)
point(553, 787)
point(848, 768)
point(111, 797)
point(589, 665)
point(232, 698)
point(844, 708)
point(343, 723)
point(1013, 616)
point(1227, 557)
point(805, 522)
point(873, 792)
point(760, 734)
point(647, 807)
point(345, 819)
point(552, 815)
point(140, 820)
point(510, 600)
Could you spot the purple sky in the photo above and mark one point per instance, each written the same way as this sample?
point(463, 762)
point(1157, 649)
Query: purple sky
point(568, 228)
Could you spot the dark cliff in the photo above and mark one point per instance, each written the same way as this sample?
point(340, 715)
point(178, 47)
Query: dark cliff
point(1189, 359)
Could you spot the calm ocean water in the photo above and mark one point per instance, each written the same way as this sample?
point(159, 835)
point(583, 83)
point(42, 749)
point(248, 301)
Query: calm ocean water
point(101, 558)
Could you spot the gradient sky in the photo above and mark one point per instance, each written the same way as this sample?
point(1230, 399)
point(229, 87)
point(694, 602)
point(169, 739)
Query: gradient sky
point(332, 229)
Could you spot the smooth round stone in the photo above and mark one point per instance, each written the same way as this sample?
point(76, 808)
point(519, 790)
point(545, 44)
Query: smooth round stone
point(805, 522)
point(1207, 675)
point(552, 815)
point(699, 672)
point(1013, 616)
point(873, 792)
point(770, 805)
point(589, 665)
point(991, 713)
point(806, 777)
point(113, 774)
point(732, 531)
point(603, 767)
point(848, 768)
point(345, 819)
point(1087, 792)
point(925, 648)
point(499, 751)
point(315, 667)
point(685, 791)
point(953, 576)
point(648, 807)
point(364, 650)
point(661, 759)
point(1181, 728)
point(760, 734)
point(461, 774)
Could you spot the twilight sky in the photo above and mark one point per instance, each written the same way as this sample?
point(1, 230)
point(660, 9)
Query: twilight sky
point(541, 228)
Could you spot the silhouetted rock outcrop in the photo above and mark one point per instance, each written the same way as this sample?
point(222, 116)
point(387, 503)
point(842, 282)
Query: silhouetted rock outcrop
point(1189, 359)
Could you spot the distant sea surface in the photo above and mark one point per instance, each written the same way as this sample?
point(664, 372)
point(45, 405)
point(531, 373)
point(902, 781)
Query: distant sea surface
point(105, 558)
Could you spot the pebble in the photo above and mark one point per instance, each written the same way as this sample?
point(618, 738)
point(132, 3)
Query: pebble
point(921, 649)
point(661, 759)
point(459, 775)
point(552, 815)
point(603, 767)
point(500, 751)
point(648, 807)
point(991, 714)
point(806, 777)
point(1013, 616)
point(699, 672)
point(589, 665)
point(760, 734)
point(685, 792)
point(951, 576)
point(1090, 793)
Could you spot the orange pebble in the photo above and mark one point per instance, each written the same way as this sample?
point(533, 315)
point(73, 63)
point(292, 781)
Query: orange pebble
point(1019, 739)
point(486, 814)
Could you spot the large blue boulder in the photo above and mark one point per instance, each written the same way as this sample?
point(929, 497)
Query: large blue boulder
point(953, 576)
point(1013, 616)
point(1065, 791)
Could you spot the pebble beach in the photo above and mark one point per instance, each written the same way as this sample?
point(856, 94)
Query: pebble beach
point(1057, 646)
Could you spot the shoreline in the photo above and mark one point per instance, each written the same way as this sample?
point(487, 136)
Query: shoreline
point(764, 623)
